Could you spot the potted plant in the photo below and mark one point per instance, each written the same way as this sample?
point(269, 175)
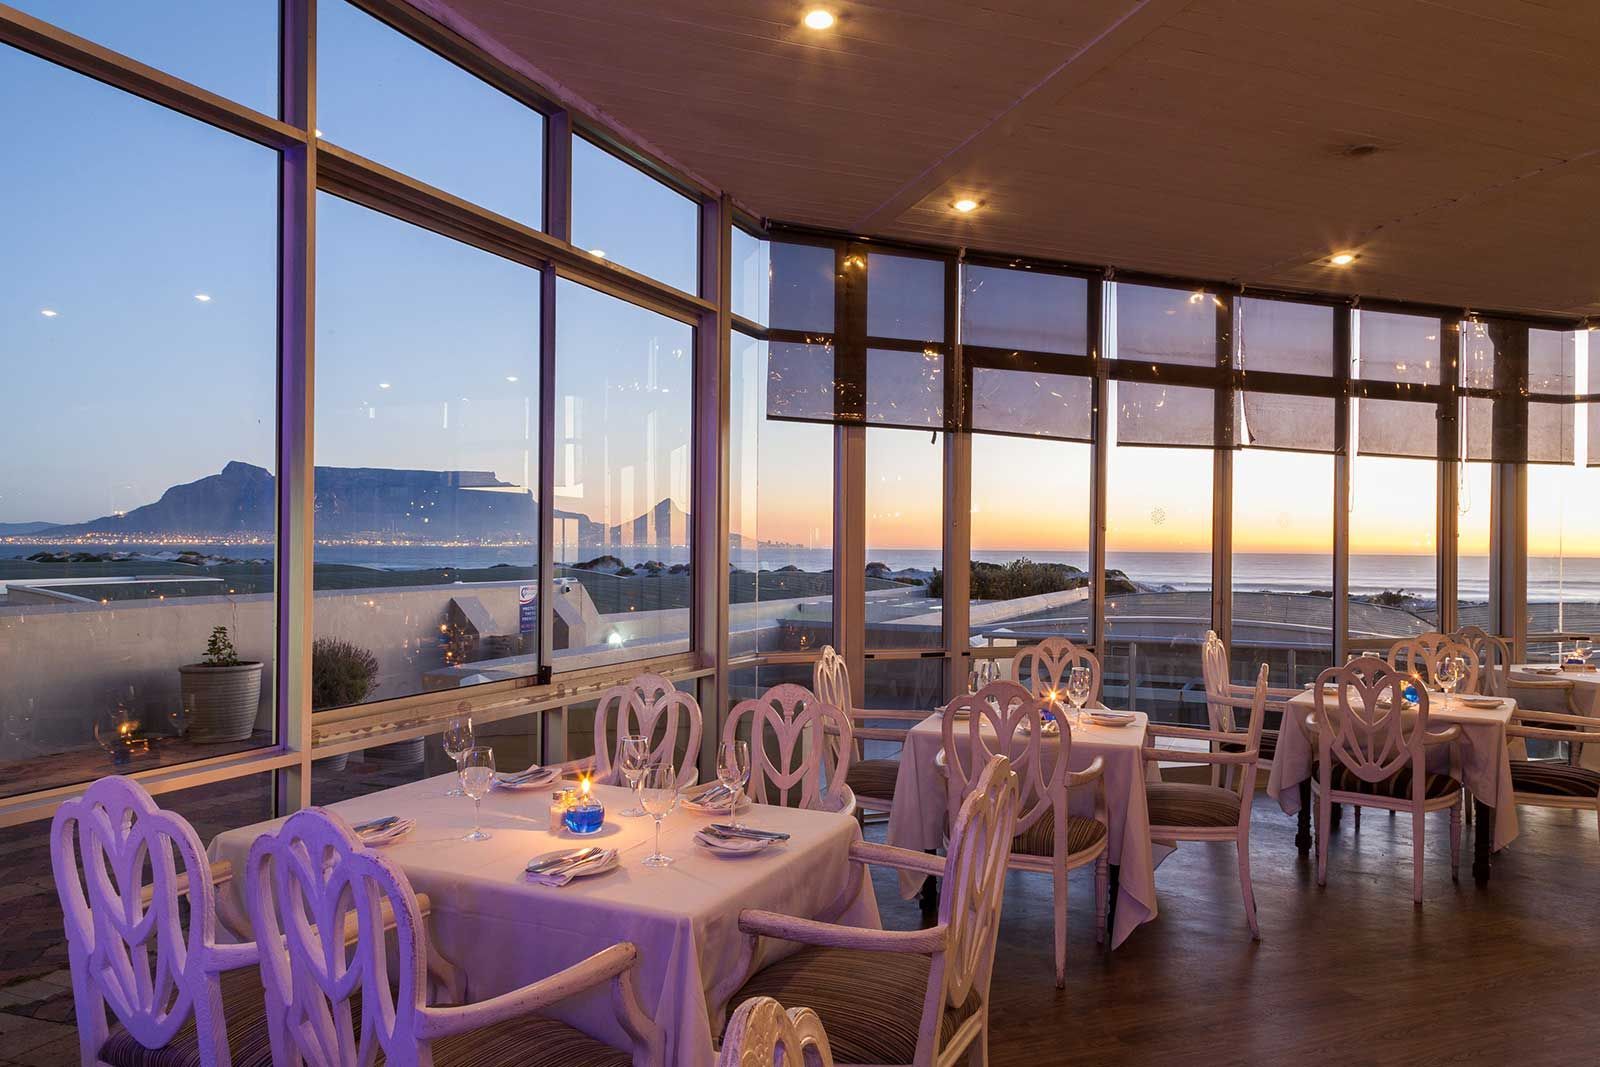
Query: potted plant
point(342, 673)
point(222, 693)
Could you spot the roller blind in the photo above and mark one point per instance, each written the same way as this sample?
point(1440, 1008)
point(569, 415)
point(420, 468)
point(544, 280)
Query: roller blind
point(1284, 337)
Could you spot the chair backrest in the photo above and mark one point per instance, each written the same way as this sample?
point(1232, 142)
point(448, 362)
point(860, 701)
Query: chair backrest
point(1493, 654)
point(1219, 687)
point(969, 899)
point(150, 964)
point(1422, 656)
point(800, 747)
point(1014, 718)
point(301, 883)
point(762, 1034)
point(649, 705)
point(830, 680)
point(1364, 725)
point(1044, 667)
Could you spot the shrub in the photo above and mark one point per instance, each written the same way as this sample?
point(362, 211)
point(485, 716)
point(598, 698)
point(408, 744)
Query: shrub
point(342, 673)
point(219, 649)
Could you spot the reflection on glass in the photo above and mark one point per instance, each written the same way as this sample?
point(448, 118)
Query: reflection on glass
point(802, 287)
point(780, 517)
point(385, 96)
point(427, 457)
point(137, 514)
point(231, 51)
point(624, 405)
point(905, 297)
point(622, 214)
point(905, 516)
point(751, 282)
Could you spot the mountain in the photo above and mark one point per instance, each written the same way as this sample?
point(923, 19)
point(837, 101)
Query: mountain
point(355, 502)
point(24, 529)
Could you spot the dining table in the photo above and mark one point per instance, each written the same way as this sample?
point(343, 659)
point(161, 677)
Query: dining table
point(921, 807)
point(1585, 697)
point(1483, 751)
point(505, 931)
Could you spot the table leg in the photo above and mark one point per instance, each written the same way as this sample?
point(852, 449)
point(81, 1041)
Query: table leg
point(928, 897)
point(1302, 833)
point(1482, 839)
point(1114, 872)
point(1336, 819)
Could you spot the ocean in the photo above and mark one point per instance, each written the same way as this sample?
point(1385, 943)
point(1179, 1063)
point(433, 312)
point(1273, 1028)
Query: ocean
point(1550, 580)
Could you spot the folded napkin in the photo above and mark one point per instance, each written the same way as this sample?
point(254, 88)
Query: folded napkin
point(713, 799)
point(560, 875)
point(380, 832)
point(532, 778)
point(738, 845)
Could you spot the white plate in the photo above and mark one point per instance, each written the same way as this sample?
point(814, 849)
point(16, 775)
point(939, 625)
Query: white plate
point(743, 846)
point(596, 867)
point(1127, 719)
point(718, 808)
point(958, 713)
point(1480, 702)
point(538, 781)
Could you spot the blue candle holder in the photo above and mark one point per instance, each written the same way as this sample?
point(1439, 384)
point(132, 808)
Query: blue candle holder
point(1410, 693)
point(585, 816)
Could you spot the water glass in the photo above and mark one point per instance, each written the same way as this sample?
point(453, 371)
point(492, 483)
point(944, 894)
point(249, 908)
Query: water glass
point(733, 771)
point(1451, 671)
point(660, 797)
point(1080, 687)
point(458, 741)
point(633, 759)
point(477, 775)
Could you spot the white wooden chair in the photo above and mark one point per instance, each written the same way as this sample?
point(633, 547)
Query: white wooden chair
point(1370, 752)
point(800, 749)
point(1223, 696)
point(1049, 840)
point(652, 707)
point(1422, 656)
point(343, 1008)
point(762, 1034)
point(1193, 811)
point(1044, 668)
point(1549, 784)
point(917, 997)
point(872, 780)
point(175, 992)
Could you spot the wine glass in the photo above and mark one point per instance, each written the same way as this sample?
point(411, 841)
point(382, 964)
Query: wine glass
point(477, 774)
point(458, 741)
point(1080, 686)
point(1451, 671)
point(733, 771)
point(660, 797)
point(633, 759)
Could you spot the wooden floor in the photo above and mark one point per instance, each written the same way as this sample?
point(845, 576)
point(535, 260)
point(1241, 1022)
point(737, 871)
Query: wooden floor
point(1347, 975)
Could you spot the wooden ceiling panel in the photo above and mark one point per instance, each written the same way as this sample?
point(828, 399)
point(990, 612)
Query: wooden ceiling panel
point(1451, 142)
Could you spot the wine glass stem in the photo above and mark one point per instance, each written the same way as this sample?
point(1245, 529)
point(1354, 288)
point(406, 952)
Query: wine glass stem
point(477, 816)
point(658, 838)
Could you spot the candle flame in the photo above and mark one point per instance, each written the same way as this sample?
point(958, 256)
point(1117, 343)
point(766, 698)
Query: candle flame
point(583, 784)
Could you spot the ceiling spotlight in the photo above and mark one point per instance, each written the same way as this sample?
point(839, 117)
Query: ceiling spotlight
point(966, 205)
point(818, 19)
point(511, 377)
point(48, 313)
point(204, 298)
point(383, 385)
point(598, 253)
point(1342, 259)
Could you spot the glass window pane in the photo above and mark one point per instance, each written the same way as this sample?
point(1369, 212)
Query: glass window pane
point(1030, 550)
point(780, 518)
point(802, 287)
point(1563, 553)
point(427, 457)
point(1397, 348)
point(905, 388)
point(387, 97)
point(140, 281)
point(623, 214)
point(1156, 325)
point(1024, 310)
point(751, 275)
point(1475, 509)
point(624, 407)
point(231, 50)
point(1284, 337)
point(905, 542)
point(517, 743)
point(905, 297)
point(1393, 544)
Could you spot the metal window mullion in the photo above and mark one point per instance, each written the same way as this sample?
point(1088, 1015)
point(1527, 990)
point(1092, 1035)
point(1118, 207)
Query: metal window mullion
point(709, 493)
point(1343, 319)
point(1101, 306)
point(558, 224)
point(1222, 475)
point(1449, 471)
point(956, 608)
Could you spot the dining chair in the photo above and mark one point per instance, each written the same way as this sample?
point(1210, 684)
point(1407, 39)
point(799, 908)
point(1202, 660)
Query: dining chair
point(917, 997)
point(1370, 751)
point(1046, 665)
point(1049, 840)
point(1550, 784)
point(177, 994)
point(651, 706)
point(1193, 811)
point(310, 880)
point(872, 780)
point(800, 749)
point(1223, 696)
point(761, 1034)
point(1422, 656)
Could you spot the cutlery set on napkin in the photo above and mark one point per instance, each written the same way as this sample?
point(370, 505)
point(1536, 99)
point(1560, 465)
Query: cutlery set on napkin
point(534, 777)
point(729, 840)
point(560, 867)
point(714, 799)
point(384, 831)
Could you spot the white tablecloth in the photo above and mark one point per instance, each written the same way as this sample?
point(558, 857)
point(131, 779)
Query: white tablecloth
point(505, 932)
point(920, 807)
point(1485, 757)
point(1585, 698)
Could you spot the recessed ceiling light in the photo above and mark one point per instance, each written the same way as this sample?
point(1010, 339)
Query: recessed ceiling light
point(48, 313)
point(966, 205)
point(511, 377)
point(1342, 259)
point(598, 253)
point(383, 385)
point(204, 298)
point(818, 19)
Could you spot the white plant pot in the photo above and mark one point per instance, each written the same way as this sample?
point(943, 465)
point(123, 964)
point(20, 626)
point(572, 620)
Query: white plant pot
point(220, 702)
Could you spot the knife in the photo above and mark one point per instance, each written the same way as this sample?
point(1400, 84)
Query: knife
point(745, 831)
point(551, 863)
point(375, 825)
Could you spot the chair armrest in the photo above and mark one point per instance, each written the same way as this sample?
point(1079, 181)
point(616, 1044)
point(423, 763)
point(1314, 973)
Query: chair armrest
point(1096, 769)
point(1184, 755)
point(1274, 694)
point(436, 1022)
point(221, 874)
point(831, 935)
point(1546, 733)
point(1587, 721)
point(1443, 736)
point(881, 733)
point(893, 714)
point(900, 858)
point(1538, 683)
point(1193, 733)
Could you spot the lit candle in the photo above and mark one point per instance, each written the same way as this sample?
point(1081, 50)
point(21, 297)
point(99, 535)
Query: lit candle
point(586, 814)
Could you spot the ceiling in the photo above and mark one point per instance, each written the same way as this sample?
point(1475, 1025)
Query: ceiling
point(1454, 144)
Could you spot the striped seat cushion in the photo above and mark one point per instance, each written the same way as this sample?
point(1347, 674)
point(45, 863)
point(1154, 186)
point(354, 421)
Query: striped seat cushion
point(870, 1002)
point(873, 778)
point(1554, 779)
point(529, 1041)
point(1397, 786)
point(1083, 833)
point(1191, 804)
point(1269, 746)
point(244, 1006)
